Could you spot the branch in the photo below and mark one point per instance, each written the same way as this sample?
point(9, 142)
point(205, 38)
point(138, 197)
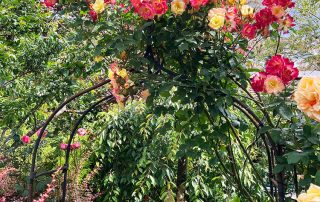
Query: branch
point(227, 172)
point(235, 133)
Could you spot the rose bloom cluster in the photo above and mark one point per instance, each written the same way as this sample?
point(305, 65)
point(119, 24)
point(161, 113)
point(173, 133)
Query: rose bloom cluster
point(74, 146)
point(307, 97)
point(81, 132)
point(275, 11)
point(148, 9)
point(234, 17)
point(312, 195)
point(119, 81)
point(98, 7)
point(26, 139)
point(279, 72)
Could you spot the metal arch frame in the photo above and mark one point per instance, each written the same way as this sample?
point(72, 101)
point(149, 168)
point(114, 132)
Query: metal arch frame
point(33, 174)
point(74, 130)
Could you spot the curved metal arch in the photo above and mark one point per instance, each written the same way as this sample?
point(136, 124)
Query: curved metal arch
point(74, 130)
point(33, 174)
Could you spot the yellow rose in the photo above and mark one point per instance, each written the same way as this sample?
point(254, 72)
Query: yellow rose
point(99, 6)
point(98, 58)
point(110, 74)
point(242, 2)
point(312, 195)
point(247, 11)
point(307, 97)
point(123, 73)
point(216, 22)
point(178, 7)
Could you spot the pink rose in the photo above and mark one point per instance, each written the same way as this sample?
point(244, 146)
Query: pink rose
point(45, 132)
point(63, 146)
point(232, 13)
point(75, 146)
point(146, 11)
point(25, 139)
point(81, 131)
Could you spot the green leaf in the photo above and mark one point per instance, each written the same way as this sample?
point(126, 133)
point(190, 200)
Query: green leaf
point(183, 46)
point(317, 180)
point(295, 157)
point(278, 168)
point(276, 135)
point(285, 112)
point(264, 129)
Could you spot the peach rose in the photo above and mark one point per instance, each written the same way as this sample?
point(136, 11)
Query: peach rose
point(178, 7)
point(277, 11)
point(273, 85)
point(307, 96)
point(216, 11)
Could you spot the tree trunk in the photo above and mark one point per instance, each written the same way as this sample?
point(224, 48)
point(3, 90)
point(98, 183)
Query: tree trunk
point(181, 179)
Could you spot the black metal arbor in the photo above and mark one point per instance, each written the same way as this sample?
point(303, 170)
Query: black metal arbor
point(33, 173)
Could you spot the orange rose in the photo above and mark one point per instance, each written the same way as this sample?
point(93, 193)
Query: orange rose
point(307, 97)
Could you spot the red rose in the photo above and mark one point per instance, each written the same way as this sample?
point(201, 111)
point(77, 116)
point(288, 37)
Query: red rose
point(283, 68)
point(160, 7)
point(93, 15)
point(268, 3)
point(283, 3)
point(249, 31)
point(275, 65)
point(264, 18)
point(286, 3)
point(49, 3)
point(257, 82)
point(289, 72)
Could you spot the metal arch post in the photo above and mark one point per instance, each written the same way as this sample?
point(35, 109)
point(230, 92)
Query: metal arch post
point(37, 143)
point(65, 170)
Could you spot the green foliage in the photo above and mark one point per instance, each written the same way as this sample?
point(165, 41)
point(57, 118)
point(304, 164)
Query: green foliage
point(200, 109)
